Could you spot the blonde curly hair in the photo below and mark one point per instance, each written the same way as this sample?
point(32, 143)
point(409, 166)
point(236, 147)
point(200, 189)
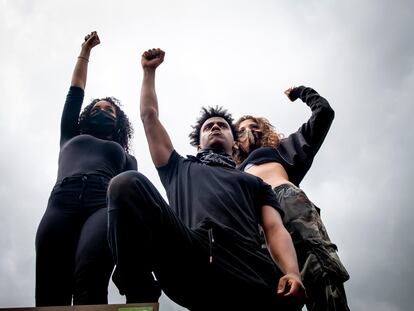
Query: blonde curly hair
point(270, 137)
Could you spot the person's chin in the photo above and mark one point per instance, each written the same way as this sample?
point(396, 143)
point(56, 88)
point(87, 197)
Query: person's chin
point(216, 140)
point(216, 145)
point(244, 148)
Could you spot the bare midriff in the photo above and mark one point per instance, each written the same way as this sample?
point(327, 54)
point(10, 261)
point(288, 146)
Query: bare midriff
point(272, 173)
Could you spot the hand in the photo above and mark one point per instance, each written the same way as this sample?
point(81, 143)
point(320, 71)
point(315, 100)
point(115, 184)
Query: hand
point(287, 92)
point(151, 59)
point(291, 285)
point(292, 93)
point(91, 40)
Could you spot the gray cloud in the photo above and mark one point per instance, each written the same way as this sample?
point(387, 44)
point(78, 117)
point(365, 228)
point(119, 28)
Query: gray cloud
point(359, 55)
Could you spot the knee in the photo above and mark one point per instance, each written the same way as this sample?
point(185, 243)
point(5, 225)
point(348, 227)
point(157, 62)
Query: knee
point(123, 183)
point(127, 187)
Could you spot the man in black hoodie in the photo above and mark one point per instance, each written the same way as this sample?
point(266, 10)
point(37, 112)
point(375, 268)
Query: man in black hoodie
point(205, 247)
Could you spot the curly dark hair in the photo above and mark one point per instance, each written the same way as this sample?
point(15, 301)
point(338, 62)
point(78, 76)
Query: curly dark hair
point(123, 132)
point(207, 113)
point(270, 137)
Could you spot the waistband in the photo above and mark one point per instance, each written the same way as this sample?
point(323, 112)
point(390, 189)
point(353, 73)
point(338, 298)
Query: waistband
point(83, 178)
point(286, 187)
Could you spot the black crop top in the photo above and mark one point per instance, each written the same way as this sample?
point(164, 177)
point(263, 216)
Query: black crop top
point(296, 152)
point(265, 155)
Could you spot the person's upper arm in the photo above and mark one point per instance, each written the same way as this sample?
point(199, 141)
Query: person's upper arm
point(69, 125)
point(169, 171)
point(268, 198)
point(159, 142)
point(271, 220)
point(316, 128)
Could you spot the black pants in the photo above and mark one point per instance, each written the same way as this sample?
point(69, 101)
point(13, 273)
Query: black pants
point(72, 251)
point(146, 236)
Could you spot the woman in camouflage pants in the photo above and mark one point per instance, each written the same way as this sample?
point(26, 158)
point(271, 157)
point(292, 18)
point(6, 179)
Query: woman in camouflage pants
point(283, 163)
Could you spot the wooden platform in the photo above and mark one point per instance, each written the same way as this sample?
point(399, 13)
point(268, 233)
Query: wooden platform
point(113, 307)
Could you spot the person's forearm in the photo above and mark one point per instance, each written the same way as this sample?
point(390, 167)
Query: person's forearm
point(81, 69)
point(281, 248)
point(318, 125)
point(315, 101)
point(149, 102)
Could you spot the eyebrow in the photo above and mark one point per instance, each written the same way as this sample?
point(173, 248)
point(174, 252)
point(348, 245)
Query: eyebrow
point(212, 122)
point(250, 125)
point(105, 107)
point(207, 124)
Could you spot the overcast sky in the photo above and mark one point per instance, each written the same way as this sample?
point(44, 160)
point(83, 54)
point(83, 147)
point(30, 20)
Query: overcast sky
point(242, 55)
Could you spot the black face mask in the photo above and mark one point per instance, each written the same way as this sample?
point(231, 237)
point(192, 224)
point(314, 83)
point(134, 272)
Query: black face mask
point(101, 124)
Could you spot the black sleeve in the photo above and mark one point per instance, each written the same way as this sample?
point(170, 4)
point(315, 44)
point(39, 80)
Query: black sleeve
point(69, 126)
point(131, 163)
point(269, 198)
point(315, 130)
point(169, 170)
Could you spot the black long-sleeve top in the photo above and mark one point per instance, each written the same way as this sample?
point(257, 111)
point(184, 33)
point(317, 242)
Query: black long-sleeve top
point(86, 154)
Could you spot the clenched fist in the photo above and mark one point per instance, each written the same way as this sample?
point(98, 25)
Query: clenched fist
point(91, 40)
point(151, 59)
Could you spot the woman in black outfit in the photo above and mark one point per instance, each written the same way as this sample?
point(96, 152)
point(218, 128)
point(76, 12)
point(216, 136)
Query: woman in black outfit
point(72, 252)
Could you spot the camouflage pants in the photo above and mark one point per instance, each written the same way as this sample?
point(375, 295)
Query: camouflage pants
point(322, 271)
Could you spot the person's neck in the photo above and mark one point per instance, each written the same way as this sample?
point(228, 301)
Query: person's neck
point(215, 157)
point(213, 150)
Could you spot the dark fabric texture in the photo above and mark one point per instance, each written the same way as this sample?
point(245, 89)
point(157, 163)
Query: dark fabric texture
point(227, 197)
point(322, 270)
point(72, 251)
point(327, 295)
point(212, 158)
point(296, 152)
point(87, 154)
point(101, 124)
point(200, 268)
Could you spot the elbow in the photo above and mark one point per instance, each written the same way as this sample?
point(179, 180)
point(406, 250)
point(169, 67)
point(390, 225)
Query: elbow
point(329, 113)
point(326, 111)
point(148, 115)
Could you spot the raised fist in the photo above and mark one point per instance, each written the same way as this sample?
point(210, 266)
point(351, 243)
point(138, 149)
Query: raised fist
point(151, 59)
point(91, 40)
point(292, 93)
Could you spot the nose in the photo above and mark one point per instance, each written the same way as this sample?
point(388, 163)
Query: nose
point(215, 127)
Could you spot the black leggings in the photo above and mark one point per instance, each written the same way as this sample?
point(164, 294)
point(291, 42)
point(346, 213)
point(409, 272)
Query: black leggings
point(146, 236)
point(72, 251)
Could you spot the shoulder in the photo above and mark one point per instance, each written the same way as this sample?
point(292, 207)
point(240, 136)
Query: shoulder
point(174, 159)
point(132, 162)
